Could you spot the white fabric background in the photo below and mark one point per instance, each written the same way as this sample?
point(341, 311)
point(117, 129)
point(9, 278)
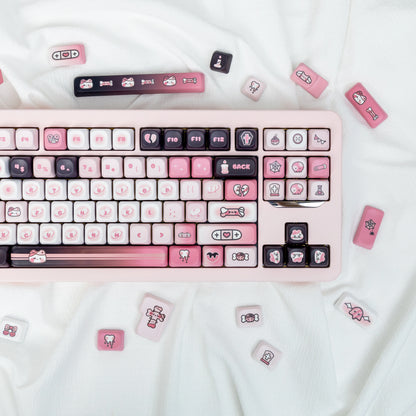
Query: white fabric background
point(202, 365)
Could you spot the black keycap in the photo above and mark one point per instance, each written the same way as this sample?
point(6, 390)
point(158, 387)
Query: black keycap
point(246, 139)
point(219, 139)
point(173, 139)
point(221, 62)
point(150, 139)
point(296, 256)
point(273, 256)
point(318, 256)
point(195, 139)
point(66, 167)
point(4, 256)
point(21, 167)
point(235, 167)
point(296, 233)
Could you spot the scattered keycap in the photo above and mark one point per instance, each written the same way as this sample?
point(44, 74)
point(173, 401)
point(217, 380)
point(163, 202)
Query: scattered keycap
point(67, 55)
point(355, 310)
point(155, 316)
point(12, 329)
point(253, 88)
point(248, 316)
point(366, 105)
point(368, 227)
point(309, 80)
point(1, 77)
point(221, 62)
point(110, 340)
point(266, 354)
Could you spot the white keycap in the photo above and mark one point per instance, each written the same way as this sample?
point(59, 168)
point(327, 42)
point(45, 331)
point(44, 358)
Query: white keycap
point(33, 189)
point(196, 211)
point(7, 139)
point(112, 167)
point(123, 189)
point(95, 234)
point(62, 211)
point(89, 167)
point(118, 234)
point(106, 211)
point(296, 189)
point(296, 167)
point(129, 211)
point(162, 234)
point(213, 189)
point(168, 189)
point(44, 167)
point(78, 189)
point(27, 139)
point(146, 189)
point(73, 234)
point(50, 234)
point(7, 234)
point(78, 139)
point(190, 189)
point(123, 139)
point(11, 326)
point(151, 211)
point(240, 256)
point(16, 211)
point(157, 167)
point(55, 189)
point(274, 139)
point(2, 211)
point(274, 190)
point(84, 211)
point(10, 189)
point(134, 167)
point(39, 211)
point(296, 139)
point(318, 190)
point(140, 234)
point(28, 234)
point(100, 139)
point(101, 190)
point(4, 167)
point(174, 211)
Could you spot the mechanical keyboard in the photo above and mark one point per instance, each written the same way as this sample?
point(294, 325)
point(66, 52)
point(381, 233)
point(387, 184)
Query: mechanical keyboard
point(171, 195)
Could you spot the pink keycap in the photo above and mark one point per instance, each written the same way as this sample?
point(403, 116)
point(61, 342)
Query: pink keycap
point(44, 167)
point(318, 167)
point(355, 310)
point(318, 139)
point(89, 167)
point(156, 313)
point(179, 167)
point(240, 190)
point(55, 139)
point(67, 55)
point(201, 167)
point(213, 256)
point(110, 340)
point(368, 227)
point(185, 256)
point(274, 167)
point(366, 105)
point(1, 78)
point(185, 234)
point(309, 80)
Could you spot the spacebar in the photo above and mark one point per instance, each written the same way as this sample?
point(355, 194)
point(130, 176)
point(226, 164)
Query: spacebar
point(89, 256)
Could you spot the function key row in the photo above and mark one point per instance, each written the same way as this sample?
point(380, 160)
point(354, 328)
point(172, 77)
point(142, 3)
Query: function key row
point(20, 139)
point(297, 139)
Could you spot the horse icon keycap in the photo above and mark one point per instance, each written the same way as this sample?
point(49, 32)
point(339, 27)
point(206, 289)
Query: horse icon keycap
point(110, 340)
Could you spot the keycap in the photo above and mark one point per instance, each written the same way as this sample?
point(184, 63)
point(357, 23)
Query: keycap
point(13, 329)
point(366, 105)
point(168, 189)
point(78, 139)
point(27, 139)
point(110, 340)
point(129, 211)
point(309, 80)
point(118, 234)
point(296, 256)
point(89, 256)
point(190, 189)
point(318, 190)
point(318, 167)
point(274, 190)
point(235, 167)
point(33, 189)
point(184, 256)
point(4, 257)
point(150, 139)
point(78, 189)
point(201, 167)
point(368, 227)
point(146, 189)
point(221, 62)
point(95, 234)
point(195, 139)
point(67, 55)
point(123, 189)
point(267, 355)
point(155, 316)
point(56, 189)
point(16, 211)
point(355, 310)
point(54, 139)
point(274, 139)
point(296, 139)
point(134, 167)
point(296, 167)
point(151, 211)
point(90, 167)
point(28, 234)
point(10, 189)
point(7, 139)
point(1, 78)
point(274, 167)
point(107, 211)
point(219, 139)
point(212, 256)
point(123, 139)
point(73, 234)
point(5, 167)
point(111, 167)
point(21, 167)
point(240, 190)
point(162, 234)
point(2, 211)
point(227, 234)
point(66, 167)
point(296, 233)
point(246, 139)
point(242, 256)
point(232, 211)
point(157, 167)
point(318, 256)
point(173, 139)
point(179, 167)
point(319, 139)
point(84, 211)
point(101, 139)
point(185, 234)
point(296, 190)
point(140, 234)
point(44, 167)
point(213, 190)
point(101, 189)
point(61, 211)
point(7, 234)
point(249, 316)
point(273, 256)
point(253, 88)
point(196, 211)
point(39, 211)
point(50, 234)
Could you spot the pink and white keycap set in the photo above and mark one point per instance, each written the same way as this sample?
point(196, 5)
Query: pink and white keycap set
point(239, 195)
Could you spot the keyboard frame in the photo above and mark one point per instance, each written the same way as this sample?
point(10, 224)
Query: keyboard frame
point(325, 221)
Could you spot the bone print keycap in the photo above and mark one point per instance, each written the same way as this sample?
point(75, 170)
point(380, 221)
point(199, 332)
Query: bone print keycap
point(249, 316)
point(155, 316)
point(232, 211)
point(355, 310)
point(13, 329)
point(73, 234)
point(27, 234)
point(110, 340)
point(368, 227)
point(267, 355)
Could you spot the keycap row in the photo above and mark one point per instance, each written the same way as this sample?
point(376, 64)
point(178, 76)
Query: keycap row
point(128, 211)
point(135, 233)
point(296, 139)
point(296, 167)
point(296, 190)
point(296, 256)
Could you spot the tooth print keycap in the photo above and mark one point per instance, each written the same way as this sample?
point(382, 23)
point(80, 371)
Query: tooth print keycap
point(110, 340)
point(240, 190)
point(274, 167)
point(212, 256)
point(318, 139)
point(368, 227)
point(27, 139)
point(227, 234)
point(240, 256)
point(318, 167)
point(185, 256)
point(55, 139)
point(179, 167)
point(232, 212)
